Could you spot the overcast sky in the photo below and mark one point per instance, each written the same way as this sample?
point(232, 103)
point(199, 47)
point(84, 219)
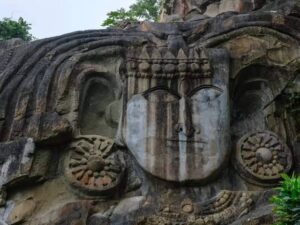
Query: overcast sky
point(54, 17)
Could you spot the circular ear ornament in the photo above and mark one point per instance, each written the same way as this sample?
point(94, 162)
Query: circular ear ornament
point(261, 157)
point(93, 165)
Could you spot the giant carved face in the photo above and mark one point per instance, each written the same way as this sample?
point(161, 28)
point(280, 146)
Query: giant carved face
point(177, 127)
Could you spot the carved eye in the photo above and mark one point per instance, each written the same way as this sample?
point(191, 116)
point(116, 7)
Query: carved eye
point(161, 96)
point(206, 95)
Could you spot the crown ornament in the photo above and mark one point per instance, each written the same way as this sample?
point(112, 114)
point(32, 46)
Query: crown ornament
point(162, 63)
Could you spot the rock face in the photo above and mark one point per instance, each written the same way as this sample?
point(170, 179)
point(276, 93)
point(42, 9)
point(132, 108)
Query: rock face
point(189, 9)
point(186, 123)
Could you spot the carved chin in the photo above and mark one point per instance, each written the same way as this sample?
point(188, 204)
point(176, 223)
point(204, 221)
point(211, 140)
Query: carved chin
point(178, 160)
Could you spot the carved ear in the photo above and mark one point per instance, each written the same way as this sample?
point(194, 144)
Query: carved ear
point(94, 166)
point(261, 157)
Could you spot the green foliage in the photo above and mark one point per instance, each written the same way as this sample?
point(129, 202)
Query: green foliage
point(141, 10)
point(15, 29)
point(115, 17)
point(287, 201)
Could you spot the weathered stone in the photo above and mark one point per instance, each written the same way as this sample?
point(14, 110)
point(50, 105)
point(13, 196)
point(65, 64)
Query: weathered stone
point(173, 153)
point(97, 219)
point(129, 205)
point(187, 122)
point(74, 213)
point(263, 157)
point(16, 160)
point(188, 9)
point(93, 166)
point(21, 211)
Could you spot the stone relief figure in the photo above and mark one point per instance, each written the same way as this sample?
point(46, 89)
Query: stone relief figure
point(175, 123)
point(189, 122)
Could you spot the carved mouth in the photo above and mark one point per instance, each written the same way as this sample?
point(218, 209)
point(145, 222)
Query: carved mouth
point(175, 142)
point(186, 141)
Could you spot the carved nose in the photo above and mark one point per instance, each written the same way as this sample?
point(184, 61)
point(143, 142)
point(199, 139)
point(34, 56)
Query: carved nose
point(184, 124)
point(188, 131)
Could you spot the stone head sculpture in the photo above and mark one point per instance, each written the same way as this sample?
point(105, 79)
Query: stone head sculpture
point(209, 106)
point(177, 113)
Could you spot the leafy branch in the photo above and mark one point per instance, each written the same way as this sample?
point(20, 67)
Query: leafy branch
point(141, 10)
point(287, 201)
point(15, 29)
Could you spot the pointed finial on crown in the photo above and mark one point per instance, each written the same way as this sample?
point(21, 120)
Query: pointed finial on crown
point(156, 54)
point(193, 54)
point(181, 55)
point(161, 63)
point(144, 54)
point(169, 56)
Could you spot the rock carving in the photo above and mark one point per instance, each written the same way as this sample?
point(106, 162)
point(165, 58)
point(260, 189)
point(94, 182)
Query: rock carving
point(93, 164)
point(189, 121)
point(263, 156)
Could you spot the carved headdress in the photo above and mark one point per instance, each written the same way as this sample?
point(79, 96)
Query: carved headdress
point(162, 63)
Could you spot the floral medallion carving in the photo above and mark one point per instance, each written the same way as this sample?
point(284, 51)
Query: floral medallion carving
point(94, 165)
point(261, 157)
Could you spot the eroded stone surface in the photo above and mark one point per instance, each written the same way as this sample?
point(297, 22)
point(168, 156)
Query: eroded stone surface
point(93, 165)
point(263, 156)
point(21, 212)
point(184, 123)
point(172, 126)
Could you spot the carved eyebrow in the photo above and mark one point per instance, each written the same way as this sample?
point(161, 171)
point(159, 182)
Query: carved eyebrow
point(164, 88)
point(192, 92)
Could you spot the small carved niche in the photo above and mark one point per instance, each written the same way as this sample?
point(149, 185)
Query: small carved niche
point(254, 90)
point(99, 106)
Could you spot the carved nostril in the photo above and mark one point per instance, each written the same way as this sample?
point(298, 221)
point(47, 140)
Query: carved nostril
point(190, 132)
point(178, 128)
